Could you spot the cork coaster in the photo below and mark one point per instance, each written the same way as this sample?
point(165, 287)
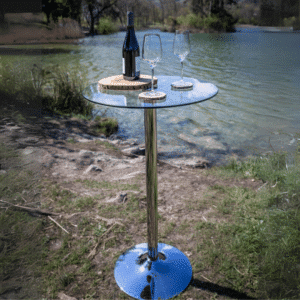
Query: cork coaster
point(151, 96)
point(117, 82)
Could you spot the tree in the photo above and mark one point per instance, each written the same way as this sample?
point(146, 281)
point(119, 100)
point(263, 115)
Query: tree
point(95, 9)
point(62, 8)
point(73, 9)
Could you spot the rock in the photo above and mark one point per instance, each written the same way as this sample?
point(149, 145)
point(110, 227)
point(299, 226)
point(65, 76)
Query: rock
point(132, 142)
point(128, 176)
point(63, 296)
point(201, 164)
point(120, 198)
point(28, 150)
point(85, 153)
point(14, 128)
point(133, 151)
point(28, 140)
point(115, 142)
point(114, 137)
point(2, 172)
point(83, 140)
point(92, 168)
point(193, 163)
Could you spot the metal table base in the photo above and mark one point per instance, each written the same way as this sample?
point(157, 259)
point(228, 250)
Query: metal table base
point(152, 271)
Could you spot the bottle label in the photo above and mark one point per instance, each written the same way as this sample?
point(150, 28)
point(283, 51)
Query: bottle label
point(137, 63)
point(123, 65)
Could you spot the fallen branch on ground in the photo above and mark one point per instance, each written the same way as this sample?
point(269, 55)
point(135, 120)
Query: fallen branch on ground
point(262, 186)
point(31, 210)
point(58, 224)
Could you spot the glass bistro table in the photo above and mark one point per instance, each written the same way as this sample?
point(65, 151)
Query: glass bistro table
point(152, 270)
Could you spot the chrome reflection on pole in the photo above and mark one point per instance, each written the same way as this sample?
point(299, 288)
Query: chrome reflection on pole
point(151, 181)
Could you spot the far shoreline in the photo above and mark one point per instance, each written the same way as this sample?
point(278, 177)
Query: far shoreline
point(76, 41)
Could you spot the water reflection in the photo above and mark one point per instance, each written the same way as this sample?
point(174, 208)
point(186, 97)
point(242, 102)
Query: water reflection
point(257, 73)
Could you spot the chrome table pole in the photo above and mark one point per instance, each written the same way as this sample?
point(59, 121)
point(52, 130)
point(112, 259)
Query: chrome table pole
point(151, 181)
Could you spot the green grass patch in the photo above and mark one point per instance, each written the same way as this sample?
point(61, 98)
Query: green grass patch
point(107, 145)
point(72, 141)
point(19, 234)
point(257, 248)
point(6, 152)
point(106, 126)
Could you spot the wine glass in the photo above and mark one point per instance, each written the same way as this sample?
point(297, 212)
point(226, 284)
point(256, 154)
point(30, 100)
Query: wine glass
point(152, 53)
point(181, 48)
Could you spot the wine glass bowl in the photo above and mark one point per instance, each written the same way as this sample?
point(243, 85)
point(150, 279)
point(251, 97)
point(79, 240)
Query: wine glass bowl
point(152, 54)
point(181, 48)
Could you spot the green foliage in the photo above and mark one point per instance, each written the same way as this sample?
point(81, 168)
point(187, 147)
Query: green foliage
point(265, 235)
point(106, 126)
point(190, 20)
point(66, 278)
point(216, 22)
point(106, 26)
point(289, 22)
point(68, 98)
point(49, 88)
point(213, 22)
point(254, 21)
point(99, 230)
point(270, 168)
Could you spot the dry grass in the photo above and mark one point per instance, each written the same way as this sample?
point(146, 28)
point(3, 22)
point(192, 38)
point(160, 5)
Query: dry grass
point(29, 28)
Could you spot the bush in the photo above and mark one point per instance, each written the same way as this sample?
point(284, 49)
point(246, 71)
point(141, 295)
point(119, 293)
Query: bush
point(296, 24)
point(243, 21)
point(106, 26)
point(44, 88)
point(67, 94)
point(254, 21)
point(289, 22)
point(213, 22)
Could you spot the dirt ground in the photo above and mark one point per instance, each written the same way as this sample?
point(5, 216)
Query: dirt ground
point(88, 183)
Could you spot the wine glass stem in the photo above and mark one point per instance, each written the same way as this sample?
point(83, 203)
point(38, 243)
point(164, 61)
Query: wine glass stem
point(182, 71)
point(152, 89)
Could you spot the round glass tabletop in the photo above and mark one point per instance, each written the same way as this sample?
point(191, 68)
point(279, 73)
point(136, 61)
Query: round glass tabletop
point(201, 91)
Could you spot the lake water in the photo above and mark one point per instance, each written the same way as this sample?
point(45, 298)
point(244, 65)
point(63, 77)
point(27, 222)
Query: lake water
point(256, 110)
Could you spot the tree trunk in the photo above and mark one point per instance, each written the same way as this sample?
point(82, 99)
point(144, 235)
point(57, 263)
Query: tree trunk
point(92, 29)
point(175, 9)
point(162, 11)
point(2, 16)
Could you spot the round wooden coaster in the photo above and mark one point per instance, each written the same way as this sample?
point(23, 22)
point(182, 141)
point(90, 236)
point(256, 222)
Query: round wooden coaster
point(117, 82)
point(151, 96)
point(181, 85)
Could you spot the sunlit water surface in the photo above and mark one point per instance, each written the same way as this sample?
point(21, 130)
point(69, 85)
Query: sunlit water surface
point(255, 111)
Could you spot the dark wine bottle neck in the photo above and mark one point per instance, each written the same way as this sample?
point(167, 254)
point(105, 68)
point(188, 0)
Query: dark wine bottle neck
point(130, 21)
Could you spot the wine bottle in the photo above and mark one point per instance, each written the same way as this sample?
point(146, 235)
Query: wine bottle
point(131, 52)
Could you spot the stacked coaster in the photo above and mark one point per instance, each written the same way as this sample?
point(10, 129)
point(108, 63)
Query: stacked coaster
point(118, 83)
